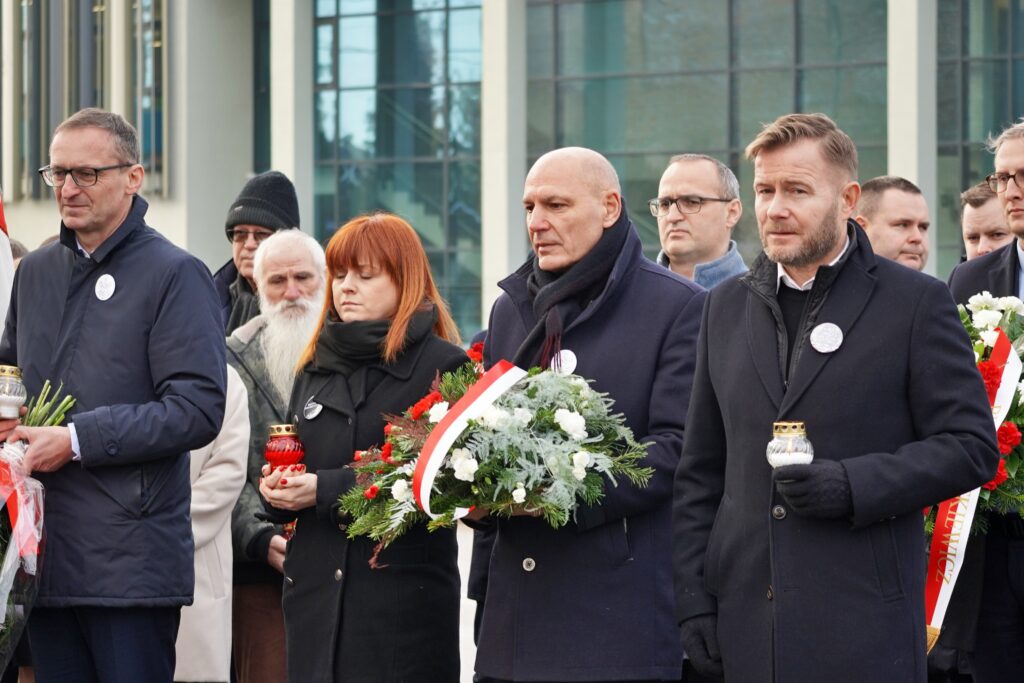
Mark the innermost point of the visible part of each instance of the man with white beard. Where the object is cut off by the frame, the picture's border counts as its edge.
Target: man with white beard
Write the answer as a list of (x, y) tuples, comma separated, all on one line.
[(289, 270)]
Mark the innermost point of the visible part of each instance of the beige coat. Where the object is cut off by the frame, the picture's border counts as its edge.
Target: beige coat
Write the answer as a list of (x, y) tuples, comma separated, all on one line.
[(218, 472)]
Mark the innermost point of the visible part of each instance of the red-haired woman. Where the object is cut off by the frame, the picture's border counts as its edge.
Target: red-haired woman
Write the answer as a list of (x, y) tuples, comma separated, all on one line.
[(383, 336)]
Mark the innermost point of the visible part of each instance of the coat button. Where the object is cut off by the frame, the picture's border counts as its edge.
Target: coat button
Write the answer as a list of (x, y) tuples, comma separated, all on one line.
[(779, 512), (290, 580), (529, 565), (337, 575), (770, 593)]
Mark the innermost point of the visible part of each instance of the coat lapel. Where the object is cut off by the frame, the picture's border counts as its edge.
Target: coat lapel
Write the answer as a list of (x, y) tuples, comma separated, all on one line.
[(763, 340), (333, 394), (1003, 280), (845, 302)]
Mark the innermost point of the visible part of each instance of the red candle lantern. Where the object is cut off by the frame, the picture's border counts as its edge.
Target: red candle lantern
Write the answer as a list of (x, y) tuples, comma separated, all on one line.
[(284, 449)]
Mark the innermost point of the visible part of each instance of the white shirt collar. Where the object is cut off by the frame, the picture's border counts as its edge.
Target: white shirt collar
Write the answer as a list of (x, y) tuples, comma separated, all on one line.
[(82, 250), (783, 277)]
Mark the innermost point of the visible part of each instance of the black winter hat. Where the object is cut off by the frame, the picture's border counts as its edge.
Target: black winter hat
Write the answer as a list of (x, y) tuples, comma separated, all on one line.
[(267, 200)]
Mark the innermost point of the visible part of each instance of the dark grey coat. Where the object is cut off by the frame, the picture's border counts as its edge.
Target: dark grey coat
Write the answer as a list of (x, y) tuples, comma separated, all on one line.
[(398, 623), (147, 368), (900, 403)]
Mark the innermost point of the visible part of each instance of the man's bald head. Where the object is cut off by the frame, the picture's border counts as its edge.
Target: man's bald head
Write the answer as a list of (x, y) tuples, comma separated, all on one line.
[(571, 196), (586, 164)]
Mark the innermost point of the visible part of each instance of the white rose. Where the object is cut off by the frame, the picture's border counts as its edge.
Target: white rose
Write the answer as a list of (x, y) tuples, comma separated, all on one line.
[(522, 416), (437, 411), (494, 418), (400, 490), (458, 455), (988, 337), (572, 423), (981, 302), (580, 459), (465, 469), (986, 319), (519, 494), (1010, 303)]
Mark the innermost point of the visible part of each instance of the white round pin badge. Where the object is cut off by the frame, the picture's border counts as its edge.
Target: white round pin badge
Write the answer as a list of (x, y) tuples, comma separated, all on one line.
[(105, 286), (311, 409), (566, 362), (826, 337)]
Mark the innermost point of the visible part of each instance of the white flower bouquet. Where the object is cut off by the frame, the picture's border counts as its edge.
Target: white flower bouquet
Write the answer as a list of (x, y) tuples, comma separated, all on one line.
[(545, 446)]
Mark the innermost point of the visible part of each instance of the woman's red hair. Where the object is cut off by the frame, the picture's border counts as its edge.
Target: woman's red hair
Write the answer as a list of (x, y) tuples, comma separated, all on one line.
[(385, 241)]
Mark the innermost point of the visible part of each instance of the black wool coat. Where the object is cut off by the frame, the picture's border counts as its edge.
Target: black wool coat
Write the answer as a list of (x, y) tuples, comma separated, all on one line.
[(899, 403), (997, 273), (344, 620)]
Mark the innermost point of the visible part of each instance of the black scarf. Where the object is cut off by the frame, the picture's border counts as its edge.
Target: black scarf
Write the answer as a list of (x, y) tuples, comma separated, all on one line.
[(344, 347), (245, 305), (560, 297)]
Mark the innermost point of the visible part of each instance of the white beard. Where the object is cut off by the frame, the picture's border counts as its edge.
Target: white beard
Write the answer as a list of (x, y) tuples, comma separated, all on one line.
[(290, 325)]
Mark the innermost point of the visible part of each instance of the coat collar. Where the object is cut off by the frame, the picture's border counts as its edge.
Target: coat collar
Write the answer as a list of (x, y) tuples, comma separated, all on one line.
[(625, 263), (132, 222), (847, 286), (712, 273)]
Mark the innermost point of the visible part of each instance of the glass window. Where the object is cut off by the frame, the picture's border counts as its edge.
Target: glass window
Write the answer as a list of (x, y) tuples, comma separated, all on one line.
[(641, 114), (871, 162), (392, 48), (261, 86), (635, 36), (987, 105), (987, 27), (854, 97), (540, 116), (949, 30), (326, 124), (540, 42), (839, 31), (403, 122), (762, 96), (326, 8), (948, 107), (464, 205), (764, 32), (949, 241), (640, 175), (464, 45), (411, 190), (150, 104), (464, 120), (324, 54)]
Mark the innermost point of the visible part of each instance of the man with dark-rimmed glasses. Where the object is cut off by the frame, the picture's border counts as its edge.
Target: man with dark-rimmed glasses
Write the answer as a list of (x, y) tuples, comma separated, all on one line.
[(986, 612), (697, 206), (128, 323)]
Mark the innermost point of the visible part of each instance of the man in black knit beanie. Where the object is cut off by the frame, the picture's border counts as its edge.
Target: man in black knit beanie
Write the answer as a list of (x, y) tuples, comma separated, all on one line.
[(266, 204)]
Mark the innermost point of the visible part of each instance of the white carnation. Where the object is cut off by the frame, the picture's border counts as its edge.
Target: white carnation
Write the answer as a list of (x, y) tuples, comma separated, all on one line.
[(494, 418), (581, 459), (989, 337), (519, 494), (572, 423), (465, 469), (981, 302), (458, 455), (1010, 303), (579, 472), (986, 319), (401, 490), (522, 416), (437, 411)]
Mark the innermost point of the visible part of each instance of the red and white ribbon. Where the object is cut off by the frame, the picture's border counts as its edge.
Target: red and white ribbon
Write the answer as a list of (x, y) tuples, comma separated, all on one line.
[(476, 400), (954, 518)]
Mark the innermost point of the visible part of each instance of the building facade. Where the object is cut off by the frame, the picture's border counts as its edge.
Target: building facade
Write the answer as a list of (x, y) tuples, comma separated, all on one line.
[(434, 109)]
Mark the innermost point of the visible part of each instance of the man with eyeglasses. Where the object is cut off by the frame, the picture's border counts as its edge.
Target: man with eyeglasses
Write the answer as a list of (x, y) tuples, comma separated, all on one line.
[(266, 204), (128, 323), (986, 612), (697, 207)]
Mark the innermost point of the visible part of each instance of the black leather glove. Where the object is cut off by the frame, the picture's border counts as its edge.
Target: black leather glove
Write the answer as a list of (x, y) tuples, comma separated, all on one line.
[(700, 641), (818, 489)]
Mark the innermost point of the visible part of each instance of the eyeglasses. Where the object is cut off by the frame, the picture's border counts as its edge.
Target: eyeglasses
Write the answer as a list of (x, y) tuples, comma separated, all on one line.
[(238, 236), (54, 176), (689, 203), (997, 181)]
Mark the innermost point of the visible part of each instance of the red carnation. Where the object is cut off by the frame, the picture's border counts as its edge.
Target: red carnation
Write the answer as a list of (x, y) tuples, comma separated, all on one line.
[(1008, 437), (357, 456), (387, 429), (385, 452), (992, 374), (1000, 477), (423, 405), (476, 352), (371, 492)]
